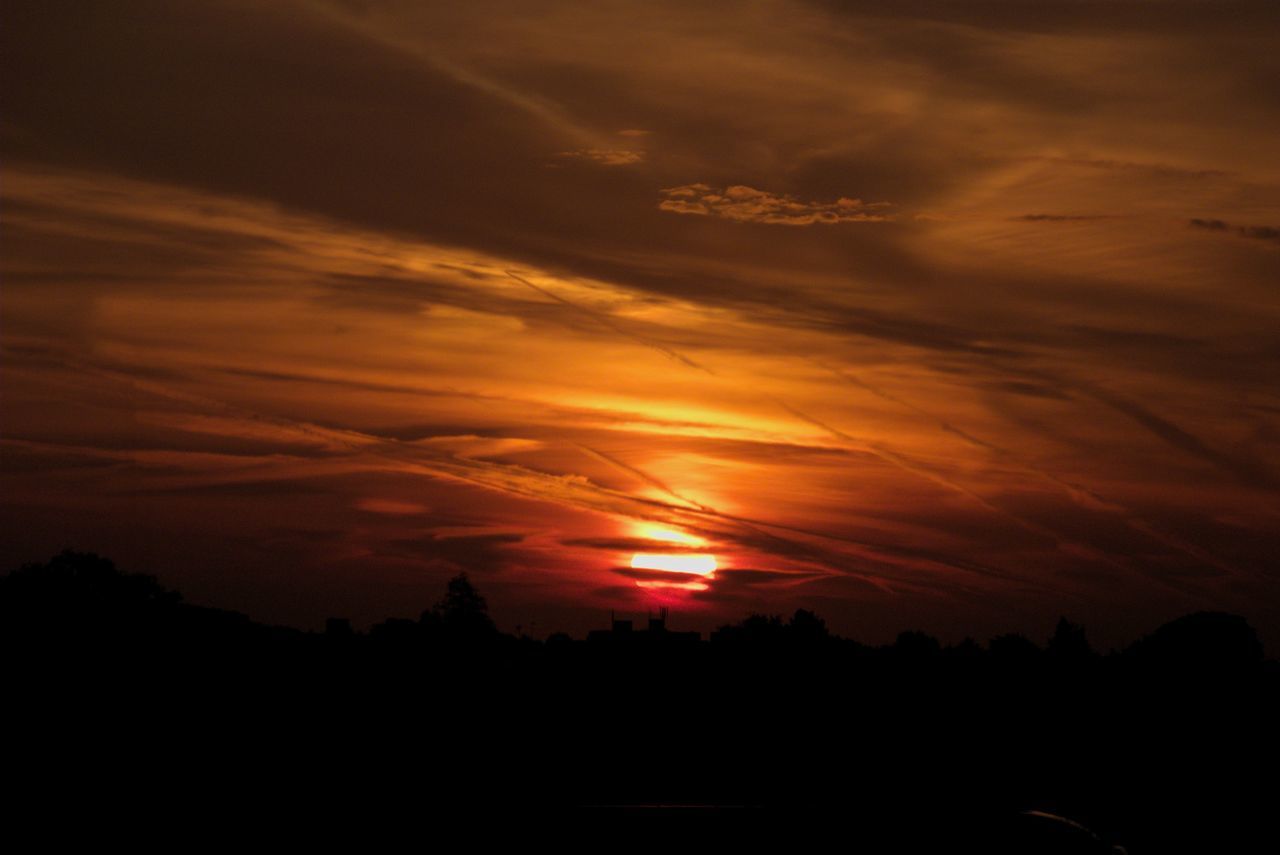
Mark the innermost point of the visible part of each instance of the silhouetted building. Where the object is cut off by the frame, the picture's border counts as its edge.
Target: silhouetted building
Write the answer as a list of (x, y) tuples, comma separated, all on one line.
[(623, 631)]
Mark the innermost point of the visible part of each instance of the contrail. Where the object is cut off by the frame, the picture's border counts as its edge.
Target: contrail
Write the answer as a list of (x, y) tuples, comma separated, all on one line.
[(761, 528), (543, 109), (907, 465), (890, 456), (639, 473), (605, 320), (1082, 496)]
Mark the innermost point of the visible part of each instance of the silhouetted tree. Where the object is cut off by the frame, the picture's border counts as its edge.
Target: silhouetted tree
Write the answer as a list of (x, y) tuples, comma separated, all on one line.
[(756, 628), (967, 649), (1013, 649), (756, 622), (463, 611), (430, 623), (1202, 640), (1068, 643), (805, 626), (396, 632), (81, 592), (337, 627), (913, 643)]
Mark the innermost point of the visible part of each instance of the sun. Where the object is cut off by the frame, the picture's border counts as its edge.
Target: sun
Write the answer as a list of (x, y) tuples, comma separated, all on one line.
[(698, 568), (698, 565)]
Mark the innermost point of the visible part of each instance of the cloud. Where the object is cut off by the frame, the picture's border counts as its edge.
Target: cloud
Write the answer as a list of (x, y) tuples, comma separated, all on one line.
[(464, 551), (632, 544), (664, 577), (743, 577), (393, 507), (481, 446), (1053, 218), (606, 156), (1247, 470), (609, 323), (748, 205), (1269, 233)]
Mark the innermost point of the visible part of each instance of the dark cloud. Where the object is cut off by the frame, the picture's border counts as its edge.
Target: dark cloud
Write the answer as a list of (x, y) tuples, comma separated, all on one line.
[(737, 577), (632, 544), (1035, 390), (1256, 232), (277, 489), (467, 552), (661, 576), (1083, 15), (1059, 218)]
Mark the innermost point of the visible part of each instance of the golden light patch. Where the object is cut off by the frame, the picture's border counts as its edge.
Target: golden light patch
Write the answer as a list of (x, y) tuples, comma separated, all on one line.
[(653, 532), (696, 585)]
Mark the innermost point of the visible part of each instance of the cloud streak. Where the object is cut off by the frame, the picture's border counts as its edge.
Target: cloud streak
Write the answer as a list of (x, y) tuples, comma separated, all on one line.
[(748, 205), (1267, 233)]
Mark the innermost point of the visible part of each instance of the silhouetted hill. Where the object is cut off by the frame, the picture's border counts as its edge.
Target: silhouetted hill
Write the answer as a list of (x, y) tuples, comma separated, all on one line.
[(912, 746)]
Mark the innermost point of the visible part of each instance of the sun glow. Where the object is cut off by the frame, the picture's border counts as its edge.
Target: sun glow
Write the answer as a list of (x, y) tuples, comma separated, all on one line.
[(696, 585), (668, 535)]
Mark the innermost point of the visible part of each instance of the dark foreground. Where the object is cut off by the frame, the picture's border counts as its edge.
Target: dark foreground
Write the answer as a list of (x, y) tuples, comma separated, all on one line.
[(130, 717)]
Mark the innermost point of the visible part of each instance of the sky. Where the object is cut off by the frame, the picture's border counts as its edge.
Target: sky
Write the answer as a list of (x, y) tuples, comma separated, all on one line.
[(949, 316)]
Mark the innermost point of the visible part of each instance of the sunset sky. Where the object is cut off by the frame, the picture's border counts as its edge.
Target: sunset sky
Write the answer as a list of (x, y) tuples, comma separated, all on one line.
[(920, 314)]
